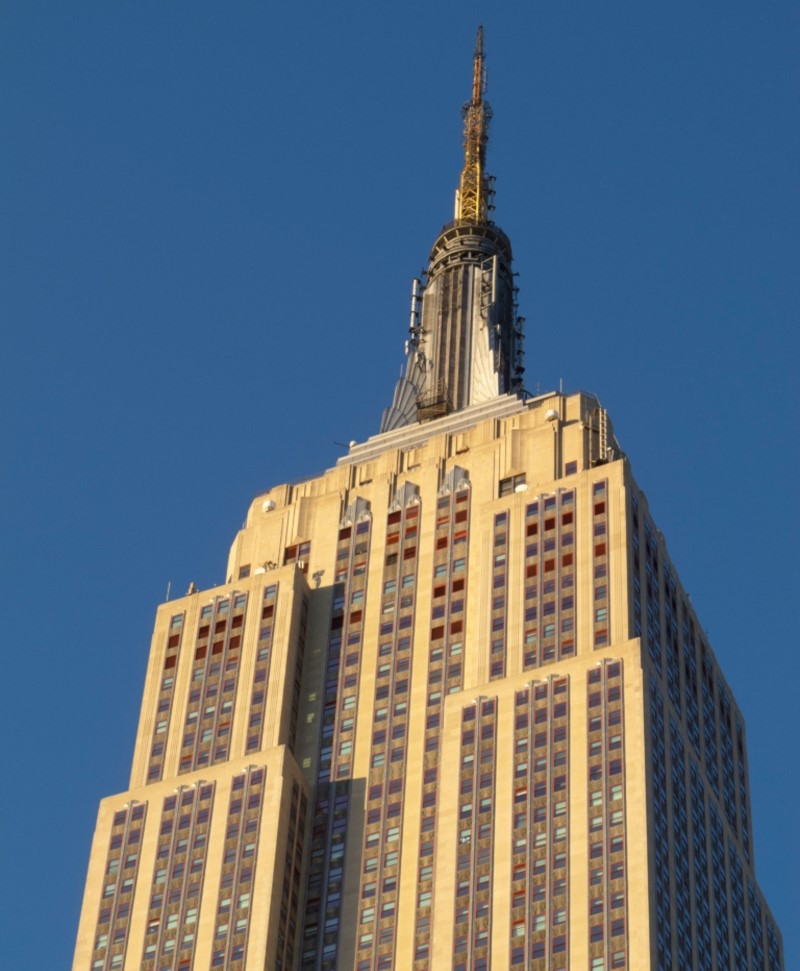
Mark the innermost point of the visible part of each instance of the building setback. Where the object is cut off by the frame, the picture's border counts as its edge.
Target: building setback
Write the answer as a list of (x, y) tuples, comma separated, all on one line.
[(453, 708)]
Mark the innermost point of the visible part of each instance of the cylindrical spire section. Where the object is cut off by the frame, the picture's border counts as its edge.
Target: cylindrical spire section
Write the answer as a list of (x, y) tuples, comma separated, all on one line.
[(468, 313)]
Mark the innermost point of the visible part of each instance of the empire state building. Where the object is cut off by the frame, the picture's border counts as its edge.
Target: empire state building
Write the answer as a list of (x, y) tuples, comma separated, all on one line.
[(452, 709)]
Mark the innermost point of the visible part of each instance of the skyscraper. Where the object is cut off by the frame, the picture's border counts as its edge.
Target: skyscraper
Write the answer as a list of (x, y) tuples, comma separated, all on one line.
[(452, 709)]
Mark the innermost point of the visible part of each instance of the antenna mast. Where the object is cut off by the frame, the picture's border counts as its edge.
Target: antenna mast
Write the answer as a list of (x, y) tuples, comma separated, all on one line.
[(472, 195)]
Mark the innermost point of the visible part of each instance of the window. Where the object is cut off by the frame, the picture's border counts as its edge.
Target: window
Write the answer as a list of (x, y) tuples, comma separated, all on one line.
[(511, 484)]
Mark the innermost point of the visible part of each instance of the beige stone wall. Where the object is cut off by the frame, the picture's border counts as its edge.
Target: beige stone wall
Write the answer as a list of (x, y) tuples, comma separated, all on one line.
[(293, 587), (282, 772), (547, 445), (538, 440)]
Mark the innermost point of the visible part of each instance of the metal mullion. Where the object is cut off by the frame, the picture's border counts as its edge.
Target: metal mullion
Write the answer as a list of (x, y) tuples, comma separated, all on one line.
[(163, 901), (606, 853), (525, 578), (622, 735), (262, 665), (390, 707), (439, 705), (506, 567), (201, 706), (223, 661), (171, 695), (566, 814), (528, 849), (237, 867), (186, 724), (343, 650), (331, 826), (495, 739), (566, 803), (390, 720), (297, 830), (548, 825), (466, 585), (384, 799), (333, 782), (451, 532), (557, 591), (381, 857), (506, 595), (170, 859), (189, 843), (340, 674), (326, 867), (473, 841), (540, 583), (120, 871)]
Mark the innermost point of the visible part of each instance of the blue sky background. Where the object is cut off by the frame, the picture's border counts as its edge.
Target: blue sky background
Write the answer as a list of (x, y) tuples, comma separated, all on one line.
[(211, 214)]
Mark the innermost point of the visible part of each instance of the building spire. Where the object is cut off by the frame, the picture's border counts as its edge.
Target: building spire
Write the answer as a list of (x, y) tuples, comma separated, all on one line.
[(465, 338), (472, 195)]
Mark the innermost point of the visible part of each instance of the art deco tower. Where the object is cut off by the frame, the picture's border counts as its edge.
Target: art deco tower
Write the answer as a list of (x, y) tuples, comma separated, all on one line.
[(465, 343), (452, 708)]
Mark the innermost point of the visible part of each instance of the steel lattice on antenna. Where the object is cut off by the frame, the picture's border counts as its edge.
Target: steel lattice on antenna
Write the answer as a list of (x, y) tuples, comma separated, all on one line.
[(472, 196)]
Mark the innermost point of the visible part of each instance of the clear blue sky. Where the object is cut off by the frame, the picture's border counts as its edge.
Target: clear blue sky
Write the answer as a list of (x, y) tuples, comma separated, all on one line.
[(211, 213)]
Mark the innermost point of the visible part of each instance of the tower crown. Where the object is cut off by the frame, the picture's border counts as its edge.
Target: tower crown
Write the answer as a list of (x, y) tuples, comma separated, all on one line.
[(465, 343)]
